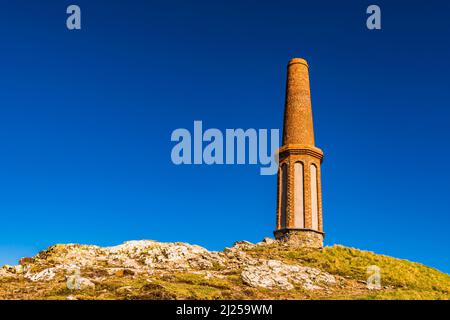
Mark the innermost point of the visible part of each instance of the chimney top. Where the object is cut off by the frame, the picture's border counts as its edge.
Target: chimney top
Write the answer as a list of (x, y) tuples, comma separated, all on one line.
[(298, 61)]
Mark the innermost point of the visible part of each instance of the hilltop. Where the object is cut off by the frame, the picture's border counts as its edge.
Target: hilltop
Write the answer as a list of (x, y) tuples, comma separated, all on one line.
[(268, 270)]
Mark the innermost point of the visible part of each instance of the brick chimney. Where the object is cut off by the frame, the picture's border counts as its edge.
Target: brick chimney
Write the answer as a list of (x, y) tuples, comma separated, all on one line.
[(299, 198)]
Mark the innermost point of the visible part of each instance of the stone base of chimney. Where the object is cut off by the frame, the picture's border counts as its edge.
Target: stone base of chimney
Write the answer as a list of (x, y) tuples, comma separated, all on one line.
[(305, 238)]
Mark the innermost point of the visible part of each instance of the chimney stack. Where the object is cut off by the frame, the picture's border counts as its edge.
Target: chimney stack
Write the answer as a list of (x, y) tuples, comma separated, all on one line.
[(299, 198), (298, 123)]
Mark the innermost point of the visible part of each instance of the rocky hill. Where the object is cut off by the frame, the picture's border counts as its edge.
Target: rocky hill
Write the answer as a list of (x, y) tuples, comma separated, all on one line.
[(267, 270)]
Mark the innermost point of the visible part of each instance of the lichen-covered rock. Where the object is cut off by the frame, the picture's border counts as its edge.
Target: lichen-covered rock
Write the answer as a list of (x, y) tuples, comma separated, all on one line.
[(181, 256), (7, 272), (44, 275), (267, 241), (137, 256), (76, 282), (276, 274)]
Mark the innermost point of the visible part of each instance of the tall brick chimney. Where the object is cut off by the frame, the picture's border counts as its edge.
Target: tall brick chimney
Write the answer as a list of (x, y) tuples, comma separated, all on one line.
[(299, 198)]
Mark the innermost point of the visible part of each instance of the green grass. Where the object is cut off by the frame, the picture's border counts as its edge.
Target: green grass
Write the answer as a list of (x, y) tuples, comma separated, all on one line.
[(195, 286), (411, 280)]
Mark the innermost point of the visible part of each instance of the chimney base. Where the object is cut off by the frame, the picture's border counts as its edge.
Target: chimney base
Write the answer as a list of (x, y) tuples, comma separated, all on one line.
[(305, 238)]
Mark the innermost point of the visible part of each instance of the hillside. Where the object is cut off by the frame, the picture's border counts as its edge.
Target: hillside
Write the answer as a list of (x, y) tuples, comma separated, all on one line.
[(267, 270)]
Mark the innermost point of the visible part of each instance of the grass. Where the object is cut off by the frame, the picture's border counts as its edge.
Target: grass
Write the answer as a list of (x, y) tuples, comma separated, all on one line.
[(411, 280)]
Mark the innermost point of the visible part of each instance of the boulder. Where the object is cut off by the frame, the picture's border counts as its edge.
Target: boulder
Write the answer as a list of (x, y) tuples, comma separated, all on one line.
[(44, 275), (76, 282), (274, 274)]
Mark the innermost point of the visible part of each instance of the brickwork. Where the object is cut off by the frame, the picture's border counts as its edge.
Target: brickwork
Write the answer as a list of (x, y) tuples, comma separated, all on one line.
[(298, 146)]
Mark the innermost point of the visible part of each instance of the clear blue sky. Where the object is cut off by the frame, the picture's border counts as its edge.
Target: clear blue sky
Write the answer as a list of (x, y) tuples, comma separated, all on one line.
[(86, 119)]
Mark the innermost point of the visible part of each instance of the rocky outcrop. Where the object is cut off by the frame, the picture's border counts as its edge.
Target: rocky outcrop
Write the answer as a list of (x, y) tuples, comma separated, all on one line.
[(276, 274), (270, 269), (143, 256), (84, 267)]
